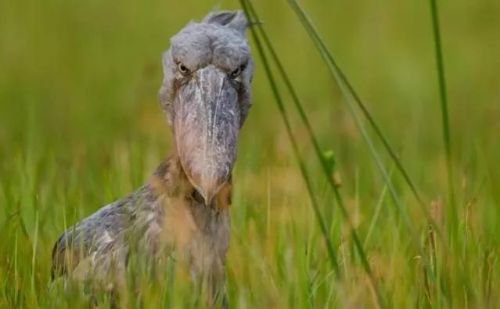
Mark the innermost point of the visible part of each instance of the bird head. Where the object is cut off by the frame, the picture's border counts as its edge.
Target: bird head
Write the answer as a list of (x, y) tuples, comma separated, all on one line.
[(206, 96)]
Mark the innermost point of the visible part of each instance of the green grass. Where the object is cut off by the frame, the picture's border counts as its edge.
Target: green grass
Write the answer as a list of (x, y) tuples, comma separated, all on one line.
[(443, 96), (80, 126)]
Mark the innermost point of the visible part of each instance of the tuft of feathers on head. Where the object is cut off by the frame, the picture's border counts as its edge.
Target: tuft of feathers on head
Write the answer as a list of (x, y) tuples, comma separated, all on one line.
[(231, 19)]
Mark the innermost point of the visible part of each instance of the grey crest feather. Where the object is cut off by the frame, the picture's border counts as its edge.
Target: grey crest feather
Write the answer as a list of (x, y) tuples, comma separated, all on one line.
[(232, 19)]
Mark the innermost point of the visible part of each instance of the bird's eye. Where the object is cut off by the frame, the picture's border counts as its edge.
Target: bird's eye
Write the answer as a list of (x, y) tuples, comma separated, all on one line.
[(183, 69), (236, 72)]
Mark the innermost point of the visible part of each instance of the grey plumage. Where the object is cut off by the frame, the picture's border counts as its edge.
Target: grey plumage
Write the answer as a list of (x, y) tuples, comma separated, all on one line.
[(183, 207)]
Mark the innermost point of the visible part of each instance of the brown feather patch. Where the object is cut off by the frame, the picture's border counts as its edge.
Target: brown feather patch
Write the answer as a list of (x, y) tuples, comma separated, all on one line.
[(223, 200)]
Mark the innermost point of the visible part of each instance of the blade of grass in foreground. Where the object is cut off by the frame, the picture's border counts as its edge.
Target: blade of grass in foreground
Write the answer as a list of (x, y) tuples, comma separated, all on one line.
[(452, 211), (381, 301), (360, 126), (350, 93), (444, 108), (303, 170)]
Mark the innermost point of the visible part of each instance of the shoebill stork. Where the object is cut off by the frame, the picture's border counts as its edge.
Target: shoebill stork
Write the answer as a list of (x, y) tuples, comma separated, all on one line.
[(182, 209)]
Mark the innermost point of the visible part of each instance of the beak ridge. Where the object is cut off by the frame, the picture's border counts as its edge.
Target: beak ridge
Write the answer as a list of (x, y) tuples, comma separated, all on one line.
[(206, 128)]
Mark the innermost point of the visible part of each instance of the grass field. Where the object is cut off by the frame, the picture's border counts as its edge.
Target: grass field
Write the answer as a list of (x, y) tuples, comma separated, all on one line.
[(80, 126)]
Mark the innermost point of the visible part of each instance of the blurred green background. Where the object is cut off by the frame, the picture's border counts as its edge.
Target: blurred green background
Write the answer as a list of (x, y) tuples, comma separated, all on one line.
[(80, 126)]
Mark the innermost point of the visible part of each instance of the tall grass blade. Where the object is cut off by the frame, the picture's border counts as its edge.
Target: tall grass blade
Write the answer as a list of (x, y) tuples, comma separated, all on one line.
[(359, 124), (303, 170), (251, 13), (350, 94), (33, 259), (376, 215), (444, 107)]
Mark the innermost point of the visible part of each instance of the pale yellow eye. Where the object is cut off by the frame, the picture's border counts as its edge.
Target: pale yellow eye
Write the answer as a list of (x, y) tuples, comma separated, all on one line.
[(182, 68)]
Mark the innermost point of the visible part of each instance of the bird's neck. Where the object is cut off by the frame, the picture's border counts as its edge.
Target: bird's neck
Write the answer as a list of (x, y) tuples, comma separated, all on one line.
[(186, 222)]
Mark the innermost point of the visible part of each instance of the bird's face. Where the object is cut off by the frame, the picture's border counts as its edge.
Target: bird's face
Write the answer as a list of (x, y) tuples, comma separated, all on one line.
[(206, 94)]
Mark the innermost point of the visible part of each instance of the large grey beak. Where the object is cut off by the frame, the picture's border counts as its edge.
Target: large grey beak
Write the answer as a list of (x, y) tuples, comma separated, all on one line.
[(206, 126)]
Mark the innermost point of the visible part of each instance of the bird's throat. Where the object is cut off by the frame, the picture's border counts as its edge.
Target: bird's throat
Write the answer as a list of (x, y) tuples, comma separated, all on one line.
[(170, 181)]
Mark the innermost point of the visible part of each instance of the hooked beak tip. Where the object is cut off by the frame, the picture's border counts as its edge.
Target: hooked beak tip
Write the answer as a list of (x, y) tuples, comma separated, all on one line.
[(207, 198), (203, 196)]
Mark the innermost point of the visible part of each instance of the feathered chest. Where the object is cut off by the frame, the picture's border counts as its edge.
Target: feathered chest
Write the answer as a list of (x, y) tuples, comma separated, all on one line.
[(179, 222)]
